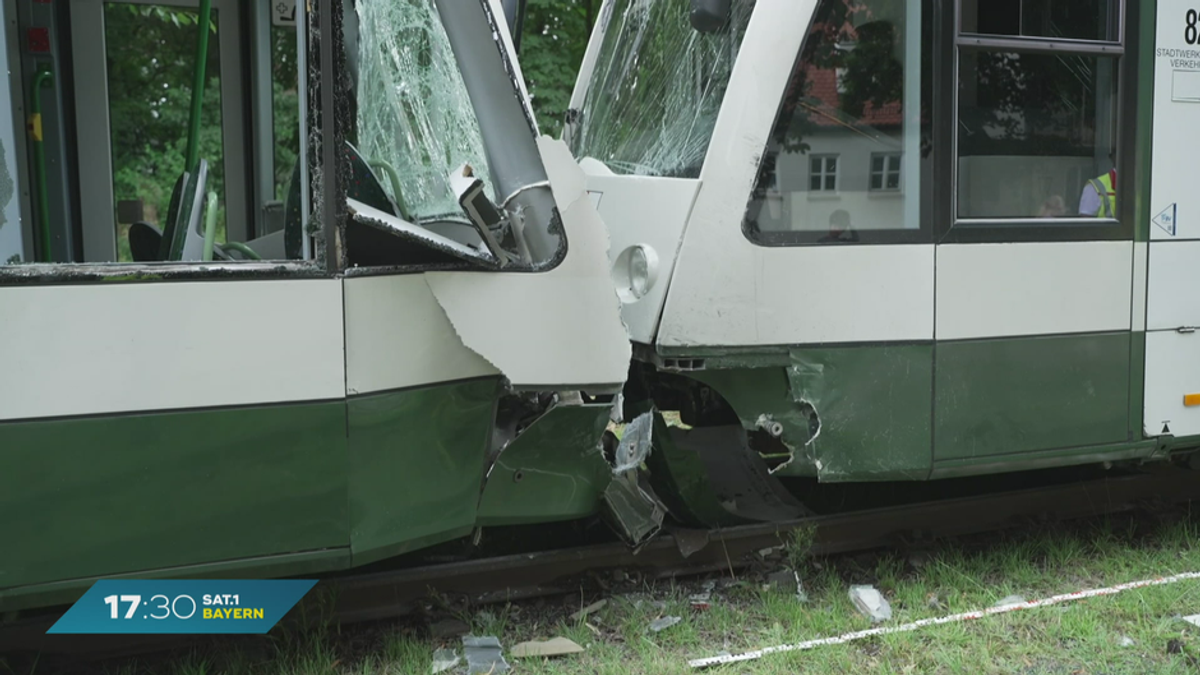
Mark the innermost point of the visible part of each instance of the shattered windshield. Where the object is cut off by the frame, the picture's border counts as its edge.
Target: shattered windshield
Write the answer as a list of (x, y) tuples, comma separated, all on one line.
[(415, 122), (657, 87)]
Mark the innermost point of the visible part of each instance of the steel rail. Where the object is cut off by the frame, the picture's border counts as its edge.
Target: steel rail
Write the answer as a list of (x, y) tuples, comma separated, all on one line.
[(389, 594)]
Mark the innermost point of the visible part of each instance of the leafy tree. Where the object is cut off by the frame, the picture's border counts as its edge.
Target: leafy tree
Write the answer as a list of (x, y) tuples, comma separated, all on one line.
[(151, 56), (553, 43)]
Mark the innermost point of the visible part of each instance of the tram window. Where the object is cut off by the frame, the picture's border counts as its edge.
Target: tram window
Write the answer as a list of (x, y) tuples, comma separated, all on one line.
[(1034, 130), (110, 179), (151, 50), (657, 87), (858, 92), (1071, 19)]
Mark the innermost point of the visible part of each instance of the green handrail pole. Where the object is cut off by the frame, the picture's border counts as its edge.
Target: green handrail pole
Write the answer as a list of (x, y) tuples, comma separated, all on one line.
[(193, 144), (41, 79), (210, 227), (394, 178)]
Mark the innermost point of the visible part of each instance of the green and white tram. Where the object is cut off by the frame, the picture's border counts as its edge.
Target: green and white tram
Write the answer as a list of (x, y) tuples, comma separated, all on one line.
[(289, 287), (905, 239)]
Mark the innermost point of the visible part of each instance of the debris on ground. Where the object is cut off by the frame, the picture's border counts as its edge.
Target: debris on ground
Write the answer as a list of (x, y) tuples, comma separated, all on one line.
[(1010, 601), (594, 607), (703, 600), (484, 655), (1125, 641), (664, 622), (1194, 619), (871, 603), (444, 659), (554, 647), (448, 628)]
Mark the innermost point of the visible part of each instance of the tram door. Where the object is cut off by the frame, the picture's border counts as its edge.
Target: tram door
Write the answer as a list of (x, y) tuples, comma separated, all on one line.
[(110, 84), (122, 51), (1172, 317)]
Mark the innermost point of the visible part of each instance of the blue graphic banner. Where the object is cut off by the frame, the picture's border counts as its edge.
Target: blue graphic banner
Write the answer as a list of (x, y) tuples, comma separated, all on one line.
[(174, 606)]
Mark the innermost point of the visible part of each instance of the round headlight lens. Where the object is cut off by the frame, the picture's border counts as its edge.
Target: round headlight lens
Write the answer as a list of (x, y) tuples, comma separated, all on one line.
[(639, 272)]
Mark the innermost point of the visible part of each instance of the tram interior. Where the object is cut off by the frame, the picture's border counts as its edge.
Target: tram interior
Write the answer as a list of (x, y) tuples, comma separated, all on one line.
[(121, 163), (101, 169), (851, 147)]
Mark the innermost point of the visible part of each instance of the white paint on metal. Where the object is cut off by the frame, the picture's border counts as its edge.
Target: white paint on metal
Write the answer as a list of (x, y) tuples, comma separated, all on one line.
[(941, 620), (1141, 261), (97, 349), (397, 336), (1173, 300), (728, 291), (283, 12), (1175, 145), (652, 212), (1172, 371), (994, 290), (560, 328)]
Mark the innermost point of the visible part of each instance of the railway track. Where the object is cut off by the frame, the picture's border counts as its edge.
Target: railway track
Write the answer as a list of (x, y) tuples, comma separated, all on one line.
[(388, 594)]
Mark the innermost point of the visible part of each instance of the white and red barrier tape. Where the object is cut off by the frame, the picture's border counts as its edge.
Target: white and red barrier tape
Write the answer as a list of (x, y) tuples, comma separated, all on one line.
[(953, 618)]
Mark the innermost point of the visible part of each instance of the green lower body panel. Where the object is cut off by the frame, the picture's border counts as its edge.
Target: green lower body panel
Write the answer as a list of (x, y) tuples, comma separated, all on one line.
[(874, 409), (416, 465), (872, 405), (553, 471), (100, 496), (1021, 395), (911, 412)]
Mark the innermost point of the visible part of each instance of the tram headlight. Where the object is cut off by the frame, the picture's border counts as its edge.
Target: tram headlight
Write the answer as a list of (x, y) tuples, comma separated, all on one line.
[(639, 272), (634, 272)]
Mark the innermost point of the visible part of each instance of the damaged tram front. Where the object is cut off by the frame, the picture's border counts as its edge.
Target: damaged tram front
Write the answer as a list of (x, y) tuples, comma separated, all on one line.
[(287, 288), (896, 240)]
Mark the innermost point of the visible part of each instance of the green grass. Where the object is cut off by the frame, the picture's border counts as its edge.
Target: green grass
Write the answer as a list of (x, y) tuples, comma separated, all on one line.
[(1080, 637)]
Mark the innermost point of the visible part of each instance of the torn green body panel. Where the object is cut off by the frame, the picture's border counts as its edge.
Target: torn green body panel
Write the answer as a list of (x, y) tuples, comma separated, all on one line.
[(90, 497), (873, 405), (1016, 395), (416, 465), (555, 470), (755, 392), (681, 481)]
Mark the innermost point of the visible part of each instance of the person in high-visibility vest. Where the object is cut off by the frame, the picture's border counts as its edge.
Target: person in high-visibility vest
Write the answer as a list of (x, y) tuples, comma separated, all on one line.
[(1099, 196)]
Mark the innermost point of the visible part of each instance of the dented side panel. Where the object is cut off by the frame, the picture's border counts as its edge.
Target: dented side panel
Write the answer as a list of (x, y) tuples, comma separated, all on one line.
[(559, 329), (846, 414), (417, 459), (553, 471), (873, 406)]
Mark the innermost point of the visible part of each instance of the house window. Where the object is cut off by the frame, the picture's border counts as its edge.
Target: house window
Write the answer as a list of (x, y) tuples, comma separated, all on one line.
[(823, 171), (885, 172)]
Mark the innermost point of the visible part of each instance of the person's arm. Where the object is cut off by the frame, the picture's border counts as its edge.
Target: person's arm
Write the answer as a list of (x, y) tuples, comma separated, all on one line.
[(1089, 201)]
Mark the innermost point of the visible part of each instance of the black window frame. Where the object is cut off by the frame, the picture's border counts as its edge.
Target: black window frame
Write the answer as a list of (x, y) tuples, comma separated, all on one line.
[(938, 180), (1123, 47), (932, 34)]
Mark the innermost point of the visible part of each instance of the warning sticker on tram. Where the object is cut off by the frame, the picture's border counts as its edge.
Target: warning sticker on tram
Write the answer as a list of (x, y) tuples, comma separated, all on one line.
[(1166, 219), (173, 606)]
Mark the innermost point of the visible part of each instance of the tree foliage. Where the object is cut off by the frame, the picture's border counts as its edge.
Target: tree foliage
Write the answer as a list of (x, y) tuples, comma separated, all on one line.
[(553, 44), (151, 58)]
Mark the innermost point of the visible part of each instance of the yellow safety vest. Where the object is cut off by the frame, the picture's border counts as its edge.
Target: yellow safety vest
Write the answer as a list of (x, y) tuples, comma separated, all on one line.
[(1108, 195)]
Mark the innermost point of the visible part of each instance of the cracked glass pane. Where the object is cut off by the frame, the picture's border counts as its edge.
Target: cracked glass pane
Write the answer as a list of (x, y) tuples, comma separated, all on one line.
[(657, 88), (414, 116)]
